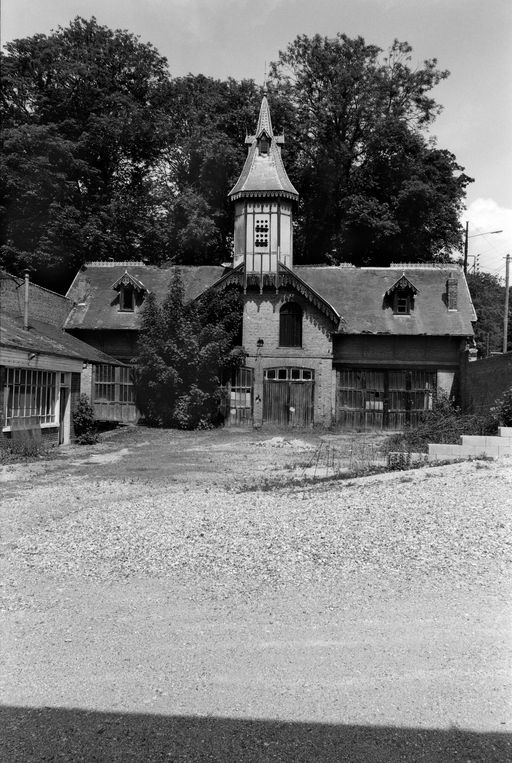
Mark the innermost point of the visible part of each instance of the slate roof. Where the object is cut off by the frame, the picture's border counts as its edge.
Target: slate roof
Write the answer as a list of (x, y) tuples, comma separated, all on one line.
[(47, 339), (358, 295), (96, 300), (263, 174)]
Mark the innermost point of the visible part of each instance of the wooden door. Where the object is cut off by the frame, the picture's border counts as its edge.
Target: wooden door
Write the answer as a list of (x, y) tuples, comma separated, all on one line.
[(288, 395)]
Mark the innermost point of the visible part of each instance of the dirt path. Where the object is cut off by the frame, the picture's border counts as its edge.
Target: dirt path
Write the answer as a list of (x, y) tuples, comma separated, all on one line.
[(150, 612)]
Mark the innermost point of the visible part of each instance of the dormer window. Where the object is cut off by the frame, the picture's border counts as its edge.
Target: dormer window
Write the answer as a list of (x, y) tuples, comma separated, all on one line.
[(131, 292), (402, 303), (127, 299), (400, 296)]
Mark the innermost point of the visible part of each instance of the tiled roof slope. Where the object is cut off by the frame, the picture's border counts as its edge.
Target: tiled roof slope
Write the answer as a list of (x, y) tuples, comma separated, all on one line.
[(358, 296), (263, 174), (48, 339), (44, 305), (96, 305)]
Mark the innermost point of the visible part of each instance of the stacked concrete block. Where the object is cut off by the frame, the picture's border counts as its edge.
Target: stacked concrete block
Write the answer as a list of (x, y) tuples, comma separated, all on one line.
[(473, 446)]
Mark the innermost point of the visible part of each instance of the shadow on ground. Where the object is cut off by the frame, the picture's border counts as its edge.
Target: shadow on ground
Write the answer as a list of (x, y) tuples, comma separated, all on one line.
[(54, 734)]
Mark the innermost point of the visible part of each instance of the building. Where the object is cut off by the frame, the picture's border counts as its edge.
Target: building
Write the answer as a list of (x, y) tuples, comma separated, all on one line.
[(358, 347), (43, 370)]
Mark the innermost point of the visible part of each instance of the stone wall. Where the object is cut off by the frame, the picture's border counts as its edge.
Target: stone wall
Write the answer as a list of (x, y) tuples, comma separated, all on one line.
[(483, 381)]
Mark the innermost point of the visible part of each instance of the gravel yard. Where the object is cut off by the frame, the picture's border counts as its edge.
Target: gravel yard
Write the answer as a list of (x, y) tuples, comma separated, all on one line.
[(155, 608)]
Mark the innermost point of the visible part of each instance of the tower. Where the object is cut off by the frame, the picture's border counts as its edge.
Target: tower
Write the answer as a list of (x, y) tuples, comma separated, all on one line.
[(263, 196)]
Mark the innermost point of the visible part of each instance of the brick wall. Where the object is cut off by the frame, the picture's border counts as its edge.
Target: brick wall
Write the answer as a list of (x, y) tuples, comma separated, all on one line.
[(44, 305), (483, 381), (75, 397), (261, 321)]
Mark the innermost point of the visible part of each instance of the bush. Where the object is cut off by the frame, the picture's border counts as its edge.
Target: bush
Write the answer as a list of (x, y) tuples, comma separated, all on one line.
[(12, 451), (502, 409), (84, 423), (445, 423)]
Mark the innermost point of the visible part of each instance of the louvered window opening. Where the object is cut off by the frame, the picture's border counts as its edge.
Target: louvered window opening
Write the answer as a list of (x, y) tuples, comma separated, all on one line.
[(30, 394), (290, 325)]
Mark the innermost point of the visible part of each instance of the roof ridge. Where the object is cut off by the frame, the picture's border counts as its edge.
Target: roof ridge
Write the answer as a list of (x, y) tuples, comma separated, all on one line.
[(114, 264)]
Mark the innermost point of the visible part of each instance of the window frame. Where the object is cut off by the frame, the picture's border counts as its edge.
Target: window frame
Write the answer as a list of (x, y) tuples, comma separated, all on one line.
[(291, 318), (37, 387), (124, 306), (402, 297)]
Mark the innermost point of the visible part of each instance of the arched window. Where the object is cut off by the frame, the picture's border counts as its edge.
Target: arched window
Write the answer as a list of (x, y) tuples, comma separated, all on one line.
[(290, 325)]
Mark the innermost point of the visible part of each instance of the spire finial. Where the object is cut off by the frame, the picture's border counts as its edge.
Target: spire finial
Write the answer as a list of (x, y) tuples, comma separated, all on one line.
[(265, 89)]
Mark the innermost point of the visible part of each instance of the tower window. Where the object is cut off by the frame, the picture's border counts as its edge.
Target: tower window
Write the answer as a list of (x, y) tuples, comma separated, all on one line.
[(290, 325)]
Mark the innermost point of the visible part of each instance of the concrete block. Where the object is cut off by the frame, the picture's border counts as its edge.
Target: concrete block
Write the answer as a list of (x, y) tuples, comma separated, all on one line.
[(477, 440), (504, 431)]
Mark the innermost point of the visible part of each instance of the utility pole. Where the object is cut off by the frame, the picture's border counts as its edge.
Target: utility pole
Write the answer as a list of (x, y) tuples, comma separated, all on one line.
[(466, 242), (505, 317), (466, 238)]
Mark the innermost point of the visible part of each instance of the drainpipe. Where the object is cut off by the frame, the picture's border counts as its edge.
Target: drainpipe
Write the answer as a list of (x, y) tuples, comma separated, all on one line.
[(25, 315)]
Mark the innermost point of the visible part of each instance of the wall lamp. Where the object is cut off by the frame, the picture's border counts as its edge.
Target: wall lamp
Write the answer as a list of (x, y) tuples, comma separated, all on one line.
[(260, 343), (32, 355)]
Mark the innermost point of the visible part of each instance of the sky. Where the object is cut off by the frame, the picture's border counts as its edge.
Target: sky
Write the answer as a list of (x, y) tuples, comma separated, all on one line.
[(237, 38)]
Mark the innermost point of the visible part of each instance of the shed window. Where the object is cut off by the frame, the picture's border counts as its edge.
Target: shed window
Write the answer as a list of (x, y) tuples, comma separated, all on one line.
[(290, 325), (30, 394)]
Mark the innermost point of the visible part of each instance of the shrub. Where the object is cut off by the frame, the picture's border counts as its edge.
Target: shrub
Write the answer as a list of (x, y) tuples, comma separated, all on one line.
[(445, 423), (12, 451), (84, 423), (502, 409)]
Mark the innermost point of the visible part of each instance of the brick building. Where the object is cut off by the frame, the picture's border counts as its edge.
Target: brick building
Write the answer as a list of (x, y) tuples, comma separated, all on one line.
[(359, 347)]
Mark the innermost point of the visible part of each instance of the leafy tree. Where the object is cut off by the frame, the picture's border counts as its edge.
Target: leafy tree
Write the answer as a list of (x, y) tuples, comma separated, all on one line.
[(373, 188), (83, 125), (185, 351), (488, 296)]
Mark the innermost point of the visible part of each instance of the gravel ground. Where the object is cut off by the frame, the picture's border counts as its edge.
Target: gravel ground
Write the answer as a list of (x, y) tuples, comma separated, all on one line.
[(363, 548)]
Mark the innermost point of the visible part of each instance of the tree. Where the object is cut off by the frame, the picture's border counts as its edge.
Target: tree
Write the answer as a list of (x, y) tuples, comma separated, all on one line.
[(488, 296), (185, 352), (83, 125), (373, 187)]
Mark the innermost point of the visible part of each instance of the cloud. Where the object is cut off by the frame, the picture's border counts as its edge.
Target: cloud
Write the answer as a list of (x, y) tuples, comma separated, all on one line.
[(485, 215)]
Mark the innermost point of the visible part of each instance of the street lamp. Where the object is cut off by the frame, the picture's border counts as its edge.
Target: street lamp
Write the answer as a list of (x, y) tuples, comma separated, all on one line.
[(466, 239)]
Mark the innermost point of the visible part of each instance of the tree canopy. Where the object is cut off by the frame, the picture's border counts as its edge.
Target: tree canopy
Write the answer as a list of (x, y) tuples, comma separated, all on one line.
[(107, 156), (488, 295), (374, 188)]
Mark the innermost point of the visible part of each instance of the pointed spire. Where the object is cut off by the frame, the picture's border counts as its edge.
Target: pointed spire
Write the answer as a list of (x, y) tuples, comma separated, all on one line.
[(264, 121), (263, 172)]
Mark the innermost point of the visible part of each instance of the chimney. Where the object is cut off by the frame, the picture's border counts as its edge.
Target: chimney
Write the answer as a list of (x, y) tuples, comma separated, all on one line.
[(451, 293), (25, 314)]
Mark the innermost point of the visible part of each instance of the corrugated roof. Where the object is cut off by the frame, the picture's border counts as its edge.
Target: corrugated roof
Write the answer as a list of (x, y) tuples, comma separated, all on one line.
[(47, 339), (358, 295), (263, 174), (96, 301)]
